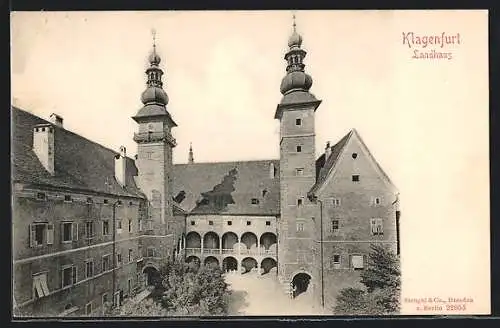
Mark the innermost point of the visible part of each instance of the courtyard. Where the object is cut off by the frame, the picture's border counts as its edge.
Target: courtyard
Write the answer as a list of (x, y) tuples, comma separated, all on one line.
[(261, 295)]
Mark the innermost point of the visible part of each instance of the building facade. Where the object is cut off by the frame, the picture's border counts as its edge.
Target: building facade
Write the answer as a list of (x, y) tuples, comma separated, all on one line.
[(92, 226)]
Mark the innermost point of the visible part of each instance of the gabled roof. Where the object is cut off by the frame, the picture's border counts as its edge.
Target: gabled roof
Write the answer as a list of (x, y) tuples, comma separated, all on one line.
[(79, 163), (233, 183), (324, 170)]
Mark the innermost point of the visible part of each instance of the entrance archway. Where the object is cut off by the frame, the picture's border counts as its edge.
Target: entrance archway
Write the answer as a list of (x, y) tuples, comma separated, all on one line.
[(211, 262), (229, 239), (211, 240), (249, 239), (300, 282), (248, 263), (229, 264), (267, 264), (153, 277), (193, 240), (193, 261)]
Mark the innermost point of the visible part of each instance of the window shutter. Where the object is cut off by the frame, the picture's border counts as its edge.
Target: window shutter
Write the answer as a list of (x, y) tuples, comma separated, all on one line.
[(61, 232), (32, 235), (74, 280), (45, 288), (50, 234)]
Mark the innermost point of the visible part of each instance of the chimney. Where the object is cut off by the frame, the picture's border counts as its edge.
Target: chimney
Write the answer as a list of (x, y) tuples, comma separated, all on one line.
[(328, 150), (120, 166), (271, 171), (43, 145), (56, 120)]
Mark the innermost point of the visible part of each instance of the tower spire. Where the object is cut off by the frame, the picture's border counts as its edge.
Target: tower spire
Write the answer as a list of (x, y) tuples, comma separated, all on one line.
[(191, 157)]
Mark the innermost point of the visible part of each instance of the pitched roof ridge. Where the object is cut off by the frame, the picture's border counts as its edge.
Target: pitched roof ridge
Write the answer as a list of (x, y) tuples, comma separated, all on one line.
[(70, 132), (230, 162)]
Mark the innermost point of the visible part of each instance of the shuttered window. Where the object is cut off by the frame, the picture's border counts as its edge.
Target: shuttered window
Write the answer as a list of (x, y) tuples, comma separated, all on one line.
[(40, 285)]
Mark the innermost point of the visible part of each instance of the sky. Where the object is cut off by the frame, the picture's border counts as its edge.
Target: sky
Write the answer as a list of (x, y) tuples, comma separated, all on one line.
[(424, 120)]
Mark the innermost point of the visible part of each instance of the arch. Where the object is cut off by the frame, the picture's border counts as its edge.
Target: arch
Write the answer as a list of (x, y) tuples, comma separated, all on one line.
[(248, 263), (300, 283), (267, 240), (211, 261), (249, 239), (229, 239), (267, 264), (193, 261), (153, 277), (193, 240), (211, 240), (229, 264)]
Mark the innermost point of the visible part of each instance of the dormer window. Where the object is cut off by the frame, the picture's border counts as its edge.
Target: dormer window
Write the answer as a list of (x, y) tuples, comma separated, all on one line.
[(255, 201)]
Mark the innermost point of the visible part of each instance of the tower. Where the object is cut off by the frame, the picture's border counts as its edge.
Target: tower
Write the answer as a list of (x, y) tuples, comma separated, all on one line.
[(154, 156), (190, 156), (297, 170)]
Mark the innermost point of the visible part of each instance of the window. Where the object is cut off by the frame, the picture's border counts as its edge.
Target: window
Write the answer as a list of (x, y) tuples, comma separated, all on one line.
[(140, 225), (104, 298), (300, 226), (268, 223), (41, 196), (130, 255), (336, 261), (355, 177), (357, 262), (354, 155), (129, 225), (118, 259), (298, 121), (335, 226), (249, 223), (68, 275), (335, 202), (105, 228), (150, 225), (377, 227), (151, 251), (376, 201), (67, 198), (89, 229), (229, 222), (106, 202), (40, 287), (193, 223), (118, 226), (41, 233), (299, 149), (299, 172), (210, 222), (106, 263), (88, 308), (89, 268), (255, 201), (89, 200), (299, 202), (66, 231), (130, 203)]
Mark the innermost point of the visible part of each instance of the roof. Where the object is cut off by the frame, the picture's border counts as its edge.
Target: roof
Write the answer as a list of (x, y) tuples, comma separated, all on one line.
[(323, 170), (229, 187), (296, 99), (79, 163), (153, 110)]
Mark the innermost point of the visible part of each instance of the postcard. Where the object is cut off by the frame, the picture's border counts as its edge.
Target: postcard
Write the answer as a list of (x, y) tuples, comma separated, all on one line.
[(250, 163)]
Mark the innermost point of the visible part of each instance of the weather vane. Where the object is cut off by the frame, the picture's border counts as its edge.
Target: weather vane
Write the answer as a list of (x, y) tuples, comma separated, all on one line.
[(294, 24)]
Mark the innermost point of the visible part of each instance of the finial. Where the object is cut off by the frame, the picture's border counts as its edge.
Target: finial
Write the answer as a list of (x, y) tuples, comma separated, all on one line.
[(294, 23), (153, 32), (190, 146)]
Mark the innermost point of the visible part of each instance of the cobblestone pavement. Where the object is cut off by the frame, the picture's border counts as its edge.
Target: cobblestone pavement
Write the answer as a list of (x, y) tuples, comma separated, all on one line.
[(254, 294)]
